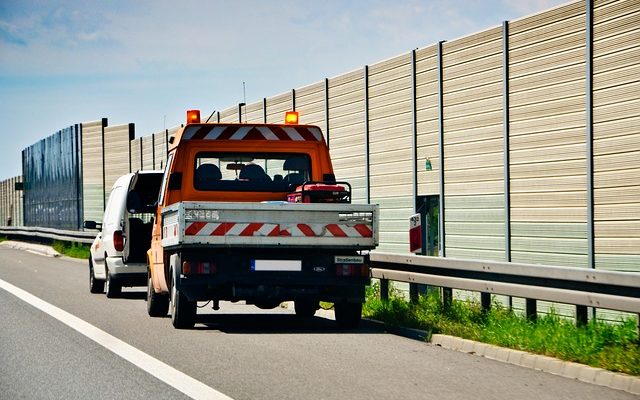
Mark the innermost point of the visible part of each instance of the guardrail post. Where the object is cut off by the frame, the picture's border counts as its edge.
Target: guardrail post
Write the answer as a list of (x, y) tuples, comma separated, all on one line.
[(413, 293), (384, 289), (485, 301), (447, 297), (582, 317), (531, 309)]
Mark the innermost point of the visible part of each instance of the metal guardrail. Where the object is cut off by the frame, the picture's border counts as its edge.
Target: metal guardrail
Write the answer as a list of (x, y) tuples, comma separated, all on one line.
[(619, 291), (612, 290), (47, 234)]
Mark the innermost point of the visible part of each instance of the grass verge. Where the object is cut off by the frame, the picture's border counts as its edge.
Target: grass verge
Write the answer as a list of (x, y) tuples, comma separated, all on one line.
[(72, 249), (3, 239), (611, 346)]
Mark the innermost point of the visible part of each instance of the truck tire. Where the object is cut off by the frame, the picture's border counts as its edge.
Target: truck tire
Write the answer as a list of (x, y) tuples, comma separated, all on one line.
[(112, 287), (348, 315), (305, 308), (157, 304), (95, 285), (183, 311)]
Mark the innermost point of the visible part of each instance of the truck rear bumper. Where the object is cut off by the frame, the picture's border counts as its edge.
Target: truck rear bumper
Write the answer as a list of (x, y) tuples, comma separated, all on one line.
[(274, 275), (202, 290)]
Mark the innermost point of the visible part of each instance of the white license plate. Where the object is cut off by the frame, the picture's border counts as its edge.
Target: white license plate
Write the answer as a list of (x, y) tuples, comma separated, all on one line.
[(276, 265)]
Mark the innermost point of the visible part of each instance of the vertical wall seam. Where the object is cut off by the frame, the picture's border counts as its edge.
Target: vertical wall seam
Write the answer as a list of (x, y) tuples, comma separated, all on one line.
[(104, 178), (589, 134), (366, 134), (141, 154), (326, 110), (80, 186), (153, 151), (293, 99), (264, 109), (166, 143), (506, 133), (441, 150), (414, 130)]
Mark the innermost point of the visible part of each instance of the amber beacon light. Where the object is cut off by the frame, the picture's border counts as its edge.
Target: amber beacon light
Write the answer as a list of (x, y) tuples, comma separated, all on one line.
[(291, 117), (193, 116)]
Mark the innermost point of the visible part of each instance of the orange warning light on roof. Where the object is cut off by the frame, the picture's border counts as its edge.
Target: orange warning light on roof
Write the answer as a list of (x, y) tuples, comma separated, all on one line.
[(193, 116), (291, 118)]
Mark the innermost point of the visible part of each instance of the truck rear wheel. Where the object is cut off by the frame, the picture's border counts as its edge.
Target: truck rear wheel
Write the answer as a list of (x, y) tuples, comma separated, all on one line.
[(157, 304), (348, 315), (183, 311)]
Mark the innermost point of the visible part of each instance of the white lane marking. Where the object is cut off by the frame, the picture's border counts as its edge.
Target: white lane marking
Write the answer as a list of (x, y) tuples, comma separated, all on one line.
[(166, 373)]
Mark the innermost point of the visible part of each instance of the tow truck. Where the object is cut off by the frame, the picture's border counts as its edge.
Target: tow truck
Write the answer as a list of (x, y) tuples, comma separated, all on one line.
[(253, 212)]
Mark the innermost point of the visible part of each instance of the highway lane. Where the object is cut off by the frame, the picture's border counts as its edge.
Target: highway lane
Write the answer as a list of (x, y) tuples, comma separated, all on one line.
[(243, 352)]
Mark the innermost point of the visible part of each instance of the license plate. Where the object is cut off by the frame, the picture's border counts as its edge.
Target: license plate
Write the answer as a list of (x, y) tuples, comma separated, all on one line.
[(276, 265)]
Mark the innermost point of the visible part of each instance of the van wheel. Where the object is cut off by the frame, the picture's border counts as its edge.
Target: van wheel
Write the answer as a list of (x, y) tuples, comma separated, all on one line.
[(183, 311), (305, 309), (95, 285), (348, 315), (112, 287), (157, 304)]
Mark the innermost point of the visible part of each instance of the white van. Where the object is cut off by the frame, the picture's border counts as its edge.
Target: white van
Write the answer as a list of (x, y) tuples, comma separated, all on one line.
[(119, 252)]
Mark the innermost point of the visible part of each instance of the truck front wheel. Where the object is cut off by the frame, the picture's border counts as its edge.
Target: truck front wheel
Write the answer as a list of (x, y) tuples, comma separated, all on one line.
[(183, 311), (348, 315), (157, 304)]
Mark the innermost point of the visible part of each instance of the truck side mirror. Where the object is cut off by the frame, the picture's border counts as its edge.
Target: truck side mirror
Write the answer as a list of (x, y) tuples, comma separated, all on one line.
[(175, 181)]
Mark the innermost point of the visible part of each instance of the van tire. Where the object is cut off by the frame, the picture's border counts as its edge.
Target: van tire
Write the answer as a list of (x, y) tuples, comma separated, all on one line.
[(348, 315), (113, 288), (183, 311), (95, 285), (157, 304)]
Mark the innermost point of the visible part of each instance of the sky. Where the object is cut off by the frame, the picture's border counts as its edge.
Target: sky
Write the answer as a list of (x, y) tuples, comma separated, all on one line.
[(148, 61)]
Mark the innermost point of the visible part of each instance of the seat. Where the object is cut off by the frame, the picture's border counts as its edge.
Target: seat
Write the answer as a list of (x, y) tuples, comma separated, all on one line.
[(205, 174), (298, 167), (254, 172)]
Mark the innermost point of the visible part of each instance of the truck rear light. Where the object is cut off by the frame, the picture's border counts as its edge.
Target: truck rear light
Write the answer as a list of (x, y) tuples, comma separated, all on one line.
[(118, 241), (198, 268), (357, 270)]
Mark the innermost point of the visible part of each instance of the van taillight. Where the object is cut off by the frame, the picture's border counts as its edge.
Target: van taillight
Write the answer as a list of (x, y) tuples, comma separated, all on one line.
[(118, 240), (198, 268)]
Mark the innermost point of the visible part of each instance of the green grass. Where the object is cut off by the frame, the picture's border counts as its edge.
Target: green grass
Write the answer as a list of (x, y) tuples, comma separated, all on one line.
[(3, 239), (612, 346), (72, 249)]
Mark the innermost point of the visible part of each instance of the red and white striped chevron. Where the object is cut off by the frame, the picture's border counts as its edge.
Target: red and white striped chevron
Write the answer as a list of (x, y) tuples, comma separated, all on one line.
[(252, 132), (271, 230)]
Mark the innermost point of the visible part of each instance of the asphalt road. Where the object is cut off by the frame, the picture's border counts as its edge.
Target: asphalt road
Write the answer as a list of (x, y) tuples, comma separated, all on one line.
[(241, 351)]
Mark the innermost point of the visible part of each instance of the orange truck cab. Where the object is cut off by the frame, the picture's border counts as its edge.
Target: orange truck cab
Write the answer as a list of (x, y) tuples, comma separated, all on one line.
[(253, 212)]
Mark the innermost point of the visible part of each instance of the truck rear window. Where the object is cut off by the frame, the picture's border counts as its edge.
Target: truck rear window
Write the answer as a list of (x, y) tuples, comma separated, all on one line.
[(250, 172)]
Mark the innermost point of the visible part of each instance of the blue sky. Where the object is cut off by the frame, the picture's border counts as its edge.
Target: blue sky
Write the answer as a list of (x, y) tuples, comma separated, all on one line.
[(147, 61)]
